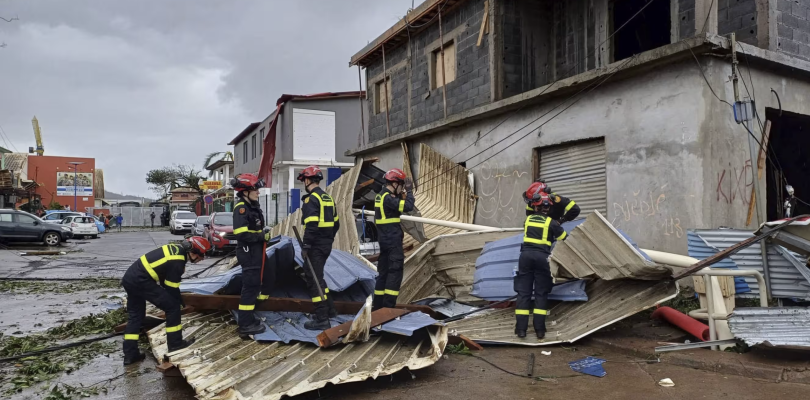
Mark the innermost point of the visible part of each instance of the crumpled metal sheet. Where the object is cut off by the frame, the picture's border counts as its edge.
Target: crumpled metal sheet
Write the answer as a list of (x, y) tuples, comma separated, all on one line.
[(701, 249), (609, 302), (220, 365), (779, 326), (407, 324)]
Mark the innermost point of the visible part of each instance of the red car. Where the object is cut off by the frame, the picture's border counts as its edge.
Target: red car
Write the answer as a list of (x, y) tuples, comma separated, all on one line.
[(220, 224)]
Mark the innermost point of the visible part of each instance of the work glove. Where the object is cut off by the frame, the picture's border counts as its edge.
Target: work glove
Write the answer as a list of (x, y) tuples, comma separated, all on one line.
[(267, 233), (408, 184)]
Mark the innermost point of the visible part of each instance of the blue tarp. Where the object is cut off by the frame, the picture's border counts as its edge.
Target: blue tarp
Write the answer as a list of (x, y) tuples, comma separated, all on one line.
[(698, 248), (494, 269), (590, 366)]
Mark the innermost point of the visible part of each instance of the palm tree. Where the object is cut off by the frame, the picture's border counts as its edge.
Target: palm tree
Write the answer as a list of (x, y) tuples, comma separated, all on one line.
[(209, 159)]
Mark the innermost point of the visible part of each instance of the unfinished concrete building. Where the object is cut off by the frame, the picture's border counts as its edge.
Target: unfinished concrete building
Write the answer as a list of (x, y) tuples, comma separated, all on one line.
[(622, 105)]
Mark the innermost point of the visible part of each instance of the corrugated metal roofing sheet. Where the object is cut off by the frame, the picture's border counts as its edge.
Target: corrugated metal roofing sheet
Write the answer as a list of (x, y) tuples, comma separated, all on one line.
[(443, 192), (779, 326), (407, 324), (786, 280), (15, 162), (220, 365), (342, 190), (698, 248), (609, 302)]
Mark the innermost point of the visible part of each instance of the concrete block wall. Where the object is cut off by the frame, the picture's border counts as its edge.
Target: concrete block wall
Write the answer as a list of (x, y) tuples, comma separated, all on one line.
[(793, 27), (526, 45), (686, 18), (570, 52), (410, 66), (740, 17)]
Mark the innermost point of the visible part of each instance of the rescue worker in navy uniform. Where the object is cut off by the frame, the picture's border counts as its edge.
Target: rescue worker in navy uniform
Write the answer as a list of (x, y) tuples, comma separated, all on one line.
[(155, 277), (395, 199), (563, 208), (248, 227), (321, 223), (534, 275)]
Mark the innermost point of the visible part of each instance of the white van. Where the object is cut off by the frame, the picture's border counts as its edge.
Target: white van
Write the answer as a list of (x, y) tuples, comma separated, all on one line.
[(181, 221)]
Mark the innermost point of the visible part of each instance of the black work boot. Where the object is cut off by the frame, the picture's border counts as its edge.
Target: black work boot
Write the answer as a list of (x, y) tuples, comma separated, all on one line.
[(253, 329), (128, 360), (521, 334), (180, 346), (317, 324), (540, 334), (331, 304)]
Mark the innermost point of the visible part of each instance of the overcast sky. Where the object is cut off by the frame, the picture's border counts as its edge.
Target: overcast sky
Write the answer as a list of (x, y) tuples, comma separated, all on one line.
[(142, 84)]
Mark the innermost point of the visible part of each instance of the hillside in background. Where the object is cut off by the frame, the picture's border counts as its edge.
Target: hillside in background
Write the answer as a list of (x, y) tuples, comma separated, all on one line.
[(117, 196)]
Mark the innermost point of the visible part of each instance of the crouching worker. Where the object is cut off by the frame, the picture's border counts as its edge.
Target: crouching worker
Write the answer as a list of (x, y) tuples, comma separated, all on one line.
[(155, 277), (534, 275)]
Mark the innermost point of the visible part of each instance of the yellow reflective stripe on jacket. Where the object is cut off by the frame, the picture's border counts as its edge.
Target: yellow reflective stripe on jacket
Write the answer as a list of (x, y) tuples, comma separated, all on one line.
[(326, 290), (176, 328), (319, 299), (542, 225), (570, 205), (378, 204), (392, 292), (521, 312), (379, 292), (402, 206), (244, 307), (241, 203), (562, 236), (311, 219), (149, 269), (529, 208), (131, 336), (325, 201), (263, 297), (172, 284), (243, 230), (540, 312)]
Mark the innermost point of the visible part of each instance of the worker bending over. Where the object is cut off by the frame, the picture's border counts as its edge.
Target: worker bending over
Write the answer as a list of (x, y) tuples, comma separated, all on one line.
[(539, 232), (563, 209), (320, 219), (155, 277), (248, 227), (395, 198)]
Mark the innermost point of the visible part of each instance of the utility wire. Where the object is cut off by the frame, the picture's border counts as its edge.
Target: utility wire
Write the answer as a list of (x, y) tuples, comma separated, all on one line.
[(549, 86)]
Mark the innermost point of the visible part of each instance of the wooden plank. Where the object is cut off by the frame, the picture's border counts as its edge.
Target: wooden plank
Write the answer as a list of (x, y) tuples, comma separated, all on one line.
[(483, 23), (763, 153), (472, 345), (231, 302), (364, 184), (332, 336)]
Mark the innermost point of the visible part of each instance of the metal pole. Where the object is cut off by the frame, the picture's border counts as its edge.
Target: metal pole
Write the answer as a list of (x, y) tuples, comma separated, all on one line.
[(362, 112), (766, 272), (308, 263), (75, 199)]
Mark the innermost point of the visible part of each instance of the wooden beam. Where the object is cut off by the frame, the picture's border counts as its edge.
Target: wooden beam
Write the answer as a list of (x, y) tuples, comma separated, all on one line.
[(483, 23), (364, 184), (332, 336), (472, 345), (763, 153), (231, 302)]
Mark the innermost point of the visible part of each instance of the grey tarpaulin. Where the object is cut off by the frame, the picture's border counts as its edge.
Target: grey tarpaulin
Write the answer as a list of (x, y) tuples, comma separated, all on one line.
[(407, 324)]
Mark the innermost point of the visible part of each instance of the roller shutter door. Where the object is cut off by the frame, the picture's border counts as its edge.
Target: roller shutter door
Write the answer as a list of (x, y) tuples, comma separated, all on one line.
[(577, 171)]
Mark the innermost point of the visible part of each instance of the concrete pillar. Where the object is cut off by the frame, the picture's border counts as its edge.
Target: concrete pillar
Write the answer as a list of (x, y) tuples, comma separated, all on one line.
[(767, 36), (705, 15)]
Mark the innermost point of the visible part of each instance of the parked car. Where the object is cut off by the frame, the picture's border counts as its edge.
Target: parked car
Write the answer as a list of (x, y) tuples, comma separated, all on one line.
[(83, 226), (198, 228), (181, 221), (56, 216), (20, 226), (220, 224)]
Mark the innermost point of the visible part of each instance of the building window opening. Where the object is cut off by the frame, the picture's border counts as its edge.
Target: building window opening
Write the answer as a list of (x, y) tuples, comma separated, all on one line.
[(788, 141), (449, 64), (380, 93), (648, 30)]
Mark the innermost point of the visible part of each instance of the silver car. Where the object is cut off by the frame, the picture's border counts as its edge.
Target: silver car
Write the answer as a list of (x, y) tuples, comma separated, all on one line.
[(198, 228)]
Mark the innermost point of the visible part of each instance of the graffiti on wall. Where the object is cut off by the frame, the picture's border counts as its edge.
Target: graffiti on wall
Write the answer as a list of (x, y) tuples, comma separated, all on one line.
[(647, 210), (734, 184), (500, 201)]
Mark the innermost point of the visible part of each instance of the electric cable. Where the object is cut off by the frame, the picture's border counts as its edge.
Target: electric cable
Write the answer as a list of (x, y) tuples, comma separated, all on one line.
[(61, 347), (534, 378)]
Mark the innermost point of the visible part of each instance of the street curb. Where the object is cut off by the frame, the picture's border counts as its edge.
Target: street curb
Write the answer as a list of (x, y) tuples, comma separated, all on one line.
[(718, 362)]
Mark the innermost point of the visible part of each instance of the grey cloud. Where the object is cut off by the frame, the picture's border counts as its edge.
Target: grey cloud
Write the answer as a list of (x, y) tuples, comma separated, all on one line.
[(139, 85)]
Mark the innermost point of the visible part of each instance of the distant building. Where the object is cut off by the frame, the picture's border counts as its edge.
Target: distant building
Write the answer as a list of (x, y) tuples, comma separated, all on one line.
[(313, 129), (183, 197), (56, 180)]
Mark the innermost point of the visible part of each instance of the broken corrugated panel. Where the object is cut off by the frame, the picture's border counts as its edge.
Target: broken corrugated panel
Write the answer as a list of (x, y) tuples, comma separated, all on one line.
[(595, 249), (220, 365), (342, 190), (609, 302), (289, 326), (447, 307), (443, 192), (407, 324), (698, 248), (786, 280), (779, 326)]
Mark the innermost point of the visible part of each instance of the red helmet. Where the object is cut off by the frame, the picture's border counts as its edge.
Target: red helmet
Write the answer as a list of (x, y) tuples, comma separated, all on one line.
[(545, 187), (312, 172), (246, 182), (199, 245), (394, 175), (533, 193)]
